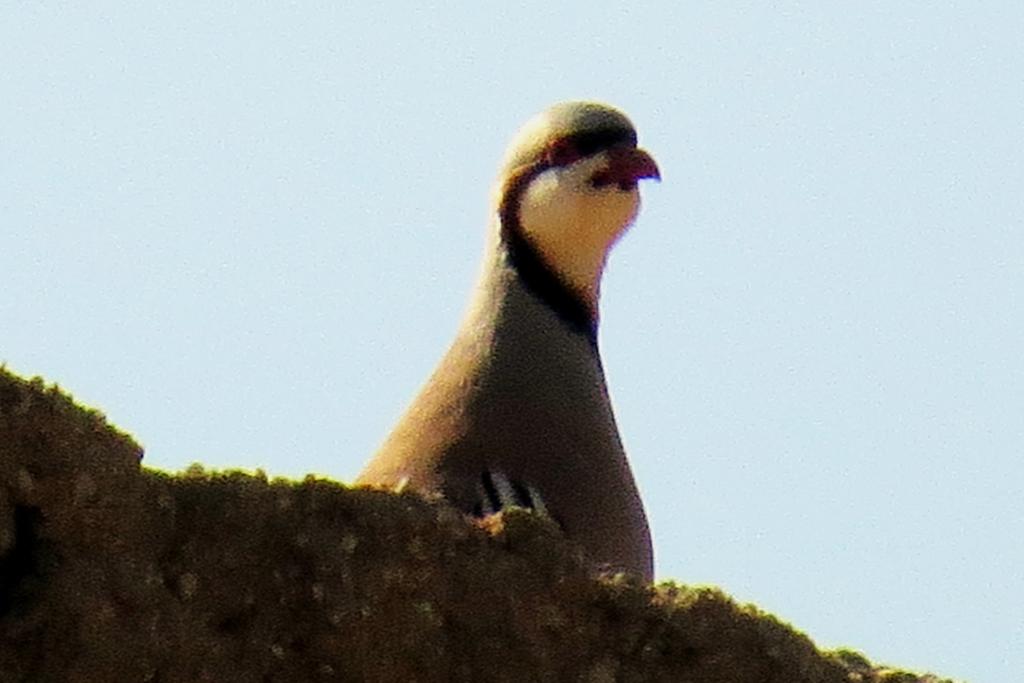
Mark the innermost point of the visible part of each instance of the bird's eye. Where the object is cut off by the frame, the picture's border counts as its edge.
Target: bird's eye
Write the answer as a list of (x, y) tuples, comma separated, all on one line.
[(562, 152)]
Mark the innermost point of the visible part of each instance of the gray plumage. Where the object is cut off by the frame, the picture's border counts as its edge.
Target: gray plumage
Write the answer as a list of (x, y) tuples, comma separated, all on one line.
[(517, 412)]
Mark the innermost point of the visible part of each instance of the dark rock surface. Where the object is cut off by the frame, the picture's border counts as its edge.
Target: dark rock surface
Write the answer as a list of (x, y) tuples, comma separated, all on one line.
[(111, 572)]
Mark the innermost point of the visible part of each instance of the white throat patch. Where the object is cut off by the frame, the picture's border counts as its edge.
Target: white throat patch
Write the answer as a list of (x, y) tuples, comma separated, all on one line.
[(573, 224)]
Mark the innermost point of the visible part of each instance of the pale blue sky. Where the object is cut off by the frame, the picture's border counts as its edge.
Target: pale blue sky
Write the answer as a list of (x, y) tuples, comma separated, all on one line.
[(247, 232)]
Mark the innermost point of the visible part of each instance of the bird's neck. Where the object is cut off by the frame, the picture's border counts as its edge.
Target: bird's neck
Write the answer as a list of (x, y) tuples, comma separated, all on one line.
[(513, 262), (520, 301), (514, 347)]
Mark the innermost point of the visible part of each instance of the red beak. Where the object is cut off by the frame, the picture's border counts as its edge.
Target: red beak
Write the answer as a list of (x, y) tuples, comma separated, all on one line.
[(626, 166)]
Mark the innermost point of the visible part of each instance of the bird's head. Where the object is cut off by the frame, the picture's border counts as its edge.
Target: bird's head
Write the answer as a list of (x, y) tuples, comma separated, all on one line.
[(568, 190)]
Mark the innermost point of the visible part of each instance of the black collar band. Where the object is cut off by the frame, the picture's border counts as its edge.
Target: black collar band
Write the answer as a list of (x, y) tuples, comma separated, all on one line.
[(536, 274)]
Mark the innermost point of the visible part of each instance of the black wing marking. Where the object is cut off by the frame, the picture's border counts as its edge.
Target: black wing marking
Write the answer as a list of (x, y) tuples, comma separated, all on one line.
[(498, 492)]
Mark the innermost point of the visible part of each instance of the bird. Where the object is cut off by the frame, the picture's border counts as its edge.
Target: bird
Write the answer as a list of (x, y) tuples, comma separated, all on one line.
[(517, 413)]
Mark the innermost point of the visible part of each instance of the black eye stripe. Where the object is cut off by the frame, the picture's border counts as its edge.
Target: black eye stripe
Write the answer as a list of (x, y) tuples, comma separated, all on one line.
[(595, 141)]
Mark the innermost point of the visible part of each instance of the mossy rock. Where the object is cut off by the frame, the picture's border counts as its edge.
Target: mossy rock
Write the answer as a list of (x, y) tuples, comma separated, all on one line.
[(111, 572)]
